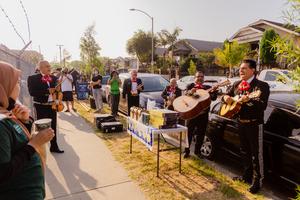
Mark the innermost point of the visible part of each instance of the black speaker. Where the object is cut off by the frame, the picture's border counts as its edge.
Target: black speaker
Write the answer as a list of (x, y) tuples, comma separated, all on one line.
[(101, 118), (109, 127)]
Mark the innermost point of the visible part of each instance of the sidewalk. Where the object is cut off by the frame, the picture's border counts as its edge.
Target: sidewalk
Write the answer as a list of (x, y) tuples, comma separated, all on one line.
[(87, 170)]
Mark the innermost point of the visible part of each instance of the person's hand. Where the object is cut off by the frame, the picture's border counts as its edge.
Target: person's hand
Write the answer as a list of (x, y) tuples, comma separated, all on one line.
[(244, 98), (228, 99), (41, 138), (21, 112), (193, 90), (139, 87), (51, 90)]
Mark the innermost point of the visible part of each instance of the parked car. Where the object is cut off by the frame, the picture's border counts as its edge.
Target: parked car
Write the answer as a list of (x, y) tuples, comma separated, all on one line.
[(104, 87), (278, 79), (208, 80), (154, 84), (281, 137)]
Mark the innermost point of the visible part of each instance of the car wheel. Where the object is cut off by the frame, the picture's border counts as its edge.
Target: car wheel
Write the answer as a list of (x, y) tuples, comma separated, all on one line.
[(208, 147)]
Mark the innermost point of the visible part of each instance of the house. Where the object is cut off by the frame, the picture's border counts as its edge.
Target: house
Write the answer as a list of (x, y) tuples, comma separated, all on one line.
[(253, 33), (191, 47)]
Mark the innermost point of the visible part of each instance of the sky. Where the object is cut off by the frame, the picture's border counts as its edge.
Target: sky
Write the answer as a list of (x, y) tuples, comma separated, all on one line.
[(54, 22)]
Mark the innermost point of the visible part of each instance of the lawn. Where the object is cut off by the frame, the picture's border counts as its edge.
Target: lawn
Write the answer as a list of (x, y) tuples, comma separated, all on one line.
[(198, 180)]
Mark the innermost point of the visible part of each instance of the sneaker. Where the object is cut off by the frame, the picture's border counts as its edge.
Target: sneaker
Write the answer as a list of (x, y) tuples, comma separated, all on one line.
[(254, 188), (67, 110)]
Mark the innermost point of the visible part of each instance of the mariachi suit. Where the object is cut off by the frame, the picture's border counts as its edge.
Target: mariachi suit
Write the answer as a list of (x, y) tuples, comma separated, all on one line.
[(131, 100), (199, 122), (251, 119), (39, 90), (167, 92)]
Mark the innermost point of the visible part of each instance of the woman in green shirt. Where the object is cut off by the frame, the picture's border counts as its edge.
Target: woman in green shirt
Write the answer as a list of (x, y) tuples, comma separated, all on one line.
[(115, 84), (21, 167)]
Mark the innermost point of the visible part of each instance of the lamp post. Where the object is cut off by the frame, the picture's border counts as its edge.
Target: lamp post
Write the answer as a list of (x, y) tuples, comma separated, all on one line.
[(152, 35)]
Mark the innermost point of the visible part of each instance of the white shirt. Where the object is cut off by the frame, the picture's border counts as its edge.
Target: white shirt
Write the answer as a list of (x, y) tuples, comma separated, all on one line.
[(50, 99), (66, 84), (250, 79), (134, 87)]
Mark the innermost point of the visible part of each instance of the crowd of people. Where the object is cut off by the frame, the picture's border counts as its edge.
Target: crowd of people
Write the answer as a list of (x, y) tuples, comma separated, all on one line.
[(21, 168)]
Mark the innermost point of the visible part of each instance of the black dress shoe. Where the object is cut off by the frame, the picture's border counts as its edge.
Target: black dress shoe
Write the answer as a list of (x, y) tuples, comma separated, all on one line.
[(186, 153), (56, 151), (254, 188)]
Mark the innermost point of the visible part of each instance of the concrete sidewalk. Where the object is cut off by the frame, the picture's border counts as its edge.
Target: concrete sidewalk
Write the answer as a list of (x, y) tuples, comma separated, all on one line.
[(87, 170)]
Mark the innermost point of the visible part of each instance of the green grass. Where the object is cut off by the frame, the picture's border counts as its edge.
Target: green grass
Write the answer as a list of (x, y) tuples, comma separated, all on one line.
[(198, 180)]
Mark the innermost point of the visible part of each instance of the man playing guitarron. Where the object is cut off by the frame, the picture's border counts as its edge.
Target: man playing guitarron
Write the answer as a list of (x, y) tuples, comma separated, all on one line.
[(250, 118), (200, 121)]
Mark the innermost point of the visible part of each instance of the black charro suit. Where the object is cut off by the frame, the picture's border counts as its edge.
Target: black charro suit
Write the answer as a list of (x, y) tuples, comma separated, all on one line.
[(251, 118), (131, 100), (198, 123), (39, 90)]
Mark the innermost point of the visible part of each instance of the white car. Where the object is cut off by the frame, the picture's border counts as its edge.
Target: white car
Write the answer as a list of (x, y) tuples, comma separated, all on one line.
[(278, 79), (208, 80)]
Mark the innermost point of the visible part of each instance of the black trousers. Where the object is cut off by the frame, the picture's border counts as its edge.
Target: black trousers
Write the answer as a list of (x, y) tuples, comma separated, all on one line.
[(133, 101), (45, 111), (197, 126), (115, 99), (251, 138)]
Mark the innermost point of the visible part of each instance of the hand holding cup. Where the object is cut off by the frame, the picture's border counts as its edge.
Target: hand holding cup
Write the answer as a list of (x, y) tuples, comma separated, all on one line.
[(41, 138)]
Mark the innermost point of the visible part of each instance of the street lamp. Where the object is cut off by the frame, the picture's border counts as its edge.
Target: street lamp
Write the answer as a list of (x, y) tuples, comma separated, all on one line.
[(152, 34)]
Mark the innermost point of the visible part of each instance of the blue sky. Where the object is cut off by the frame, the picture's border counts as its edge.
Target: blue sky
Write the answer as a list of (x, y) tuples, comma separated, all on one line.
[(55, 22)]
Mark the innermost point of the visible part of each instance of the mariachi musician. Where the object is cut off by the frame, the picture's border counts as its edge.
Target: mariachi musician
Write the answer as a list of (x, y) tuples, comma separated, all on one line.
[(200, 121), (171, 92), (250, 119), (41, 86)]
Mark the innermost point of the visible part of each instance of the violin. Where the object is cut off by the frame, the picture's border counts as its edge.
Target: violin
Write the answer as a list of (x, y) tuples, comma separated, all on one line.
[(57, 96)]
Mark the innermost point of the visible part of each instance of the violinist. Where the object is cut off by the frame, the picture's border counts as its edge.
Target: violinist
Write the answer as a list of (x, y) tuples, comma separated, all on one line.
[(41, 87)]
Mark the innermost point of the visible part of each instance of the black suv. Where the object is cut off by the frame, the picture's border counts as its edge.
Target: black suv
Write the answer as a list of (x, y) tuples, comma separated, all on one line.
[(281, 136)]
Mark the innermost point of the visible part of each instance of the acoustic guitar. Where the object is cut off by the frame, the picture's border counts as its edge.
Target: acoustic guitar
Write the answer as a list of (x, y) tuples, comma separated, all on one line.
[(190, 105), (230, 110)]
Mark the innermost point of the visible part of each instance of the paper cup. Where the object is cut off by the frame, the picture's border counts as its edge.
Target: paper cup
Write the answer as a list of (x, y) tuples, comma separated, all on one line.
[(42, 124)]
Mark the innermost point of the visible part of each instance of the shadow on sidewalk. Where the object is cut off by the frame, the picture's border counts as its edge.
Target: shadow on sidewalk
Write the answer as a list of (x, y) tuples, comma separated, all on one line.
[(77, 180), (75, 120)]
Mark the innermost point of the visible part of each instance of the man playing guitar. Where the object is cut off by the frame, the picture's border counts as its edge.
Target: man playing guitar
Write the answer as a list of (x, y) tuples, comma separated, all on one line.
[(200, 121), (170, 93), (250, 119)]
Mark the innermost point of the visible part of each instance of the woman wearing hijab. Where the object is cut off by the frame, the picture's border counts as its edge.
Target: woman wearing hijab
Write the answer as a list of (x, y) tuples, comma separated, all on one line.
[(21, 168)]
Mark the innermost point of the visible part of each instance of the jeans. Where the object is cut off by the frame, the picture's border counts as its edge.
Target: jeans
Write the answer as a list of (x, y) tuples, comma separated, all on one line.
[(115, 99), (97, 94)]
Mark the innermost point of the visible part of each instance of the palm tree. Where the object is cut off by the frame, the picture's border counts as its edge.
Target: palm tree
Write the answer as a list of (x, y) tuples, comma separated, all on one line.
[(171, 38)]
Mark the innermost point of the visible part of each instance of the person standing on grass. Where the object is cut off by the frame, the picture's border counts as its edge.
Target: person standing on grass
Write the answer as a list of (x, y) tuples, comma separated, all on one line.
[(96, 89), (66, 80), (114, 83), (132, 88)]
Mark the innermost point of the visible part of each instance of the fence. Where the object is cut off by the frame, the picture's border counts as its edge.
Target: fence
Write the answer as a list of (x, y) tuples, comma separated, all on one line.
[(27, 70)]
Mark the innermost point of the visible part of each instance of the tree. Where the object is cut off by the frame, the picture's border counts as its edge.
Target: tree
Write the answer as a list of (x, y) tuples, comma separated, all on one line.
[(267, 54), (192, 69), (285, 47), (77, 64), (207, 59), (232, 54), (140, 45), (89, 48)]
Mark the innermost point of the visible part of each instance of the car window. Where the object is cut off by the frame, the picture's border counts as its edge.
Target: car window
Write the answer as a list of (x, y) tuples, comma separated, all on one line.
[(283, 122), (271, 76), (154, 83)]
